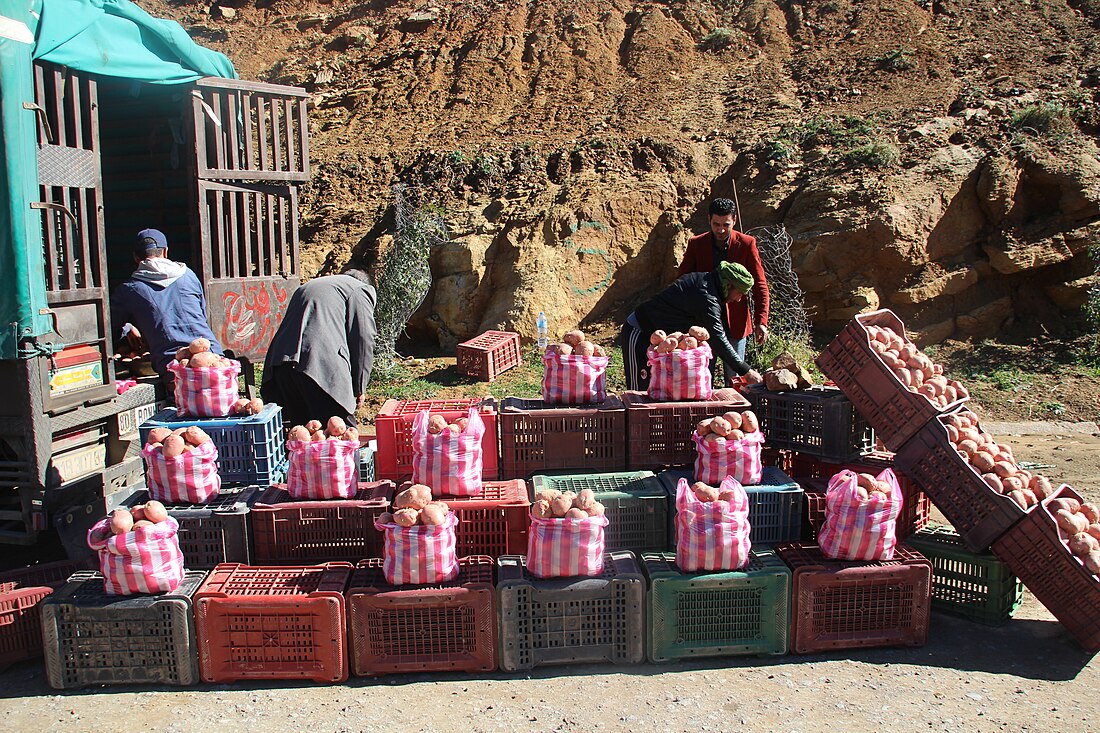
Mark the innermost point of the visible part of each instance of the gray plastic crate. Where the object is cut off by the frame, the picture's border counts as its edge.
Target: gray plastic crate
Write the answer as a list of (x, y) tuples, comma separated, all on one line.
[(571, 620), (215, 532), (91, 638)]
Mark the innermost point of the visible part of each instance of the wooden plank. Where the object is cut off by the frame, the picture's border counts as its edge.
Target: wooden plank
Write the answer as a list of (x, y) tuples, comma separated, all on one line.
[(281, 176), (249, 143), (215, 103), (276, 136), (303, 126), (252, 86), (80, 200), (247, 240), (269, 222), (261, 134)]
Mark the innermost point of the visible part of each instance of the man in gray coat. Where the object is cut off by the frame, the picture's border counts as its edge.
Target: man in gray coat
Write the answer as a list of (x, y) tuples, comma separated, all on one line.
[(319, 362)]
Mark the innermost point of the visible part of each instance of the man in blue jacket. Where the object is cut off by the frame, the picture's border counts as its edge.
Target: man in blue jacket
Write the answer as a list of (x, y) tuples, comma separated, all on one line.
[(161, 304)]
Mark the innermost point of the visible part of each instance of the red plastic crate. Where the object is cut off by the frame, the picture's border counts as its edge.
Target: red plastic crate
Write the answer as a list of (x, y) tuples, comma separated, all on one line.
[(20, 621), (536, 438), (1038, 556), (493, 523), (916, 507), (889, 407), (837, 604), (288, 532), (978, 513), (659, 433), (484, 357), (261, 623), (423, 628), (393, 426)]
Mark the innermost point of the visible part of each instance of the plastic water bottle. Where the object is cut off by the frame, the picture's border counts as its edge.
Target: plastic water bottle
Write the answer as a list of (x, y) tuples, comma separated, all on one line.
[(544, 330)]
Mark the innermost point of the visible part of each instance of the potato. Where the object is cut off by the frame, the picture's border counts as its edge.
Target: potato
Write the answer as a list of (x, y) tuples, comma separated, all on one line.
[(1094, 530), (203, 360), (183, 354), (138, 512), (351, 434), (199, 345), (141, 524), (727, 496), (689, 342), (194, 435), (1092, 562), (667, 346), (862, 493), (409, 499), (405, 517), (866, 480), (702, 428), (561, 505), (982, 461), (596, 510), (734, 419), (157, 435), (883, 487), (714, 438), (437, 424), (968, 447), (462, 422), (657, 337), (433, 515), (298, 432), (878, 347), (574, 338), (904, 376), (598, 350), (255, 406), (1018, 497), (1068, 503), (318, 436), (553, 350), (575, 513), (541, 509), (121, 521), (1090, 512), (155, 511), (423, 491), (565, 349), (585, 498), (585, 348), (703, 492), (1013, 483), (1082, 543), (547, 495), (313, 426), (173, 446), (453, 429), (994, 482), (720, 426), (735, 435), (699, 333), (385, 518), (749, 423), (1069, 523)]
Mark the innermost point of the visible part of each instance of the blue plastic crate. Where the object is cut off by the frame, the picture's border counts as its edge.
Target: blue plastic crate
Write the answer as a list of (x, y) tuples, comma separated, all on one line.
[(775, 506), (250, 448)]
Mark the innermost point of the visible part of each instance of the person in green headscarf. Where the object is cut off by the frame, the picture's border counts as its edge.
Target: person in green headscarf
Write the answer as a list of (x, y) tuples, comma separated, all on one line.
[(696, 299)]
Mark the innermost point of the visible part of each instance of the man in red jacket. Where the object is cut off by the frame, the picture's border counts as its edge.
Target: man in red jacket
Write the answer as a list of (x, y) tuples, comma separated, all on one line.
[(724, 243)]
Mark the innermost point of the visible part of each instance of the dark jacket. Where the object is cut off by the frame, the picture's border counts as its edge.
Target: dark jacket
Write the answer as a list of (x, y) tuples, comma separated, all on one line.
[(328, 333), (693, 300), (700, 257), (169, 312)]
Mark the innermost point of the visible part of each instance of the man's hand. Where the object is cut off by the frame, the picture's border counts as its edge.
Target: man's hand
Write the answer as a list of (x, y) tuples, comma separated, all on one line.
[(761, 333), (359, 400), (136, 341), (752, 377)]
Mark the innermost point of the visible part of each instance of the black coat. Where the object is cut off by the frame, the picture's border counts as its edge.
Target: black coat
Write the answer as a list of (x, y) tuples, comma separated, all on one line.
[(693, 300)]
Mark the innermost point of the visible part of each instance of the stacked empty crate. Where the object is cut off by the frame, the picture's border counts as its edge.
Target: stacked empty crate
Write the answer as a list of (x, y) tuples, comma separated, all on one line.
[(486, 356)]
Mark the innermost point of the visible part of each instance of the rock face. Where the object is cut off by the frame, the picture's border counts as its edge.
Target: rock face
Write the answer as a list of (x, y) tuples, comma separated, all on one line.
[(921, 156)]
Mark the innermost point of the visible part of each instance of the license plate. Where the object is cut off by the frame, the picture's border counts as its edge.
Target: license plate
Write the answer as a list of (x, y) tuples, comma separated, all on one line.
[(76, 377), (130, 420), (81, 462)]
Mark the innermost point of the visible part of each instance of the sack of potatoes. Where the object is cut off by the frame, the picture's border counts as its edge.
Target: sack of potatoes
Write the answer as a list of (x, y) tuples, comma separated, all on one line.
[(334, 429), (664, 343), (575, 343)]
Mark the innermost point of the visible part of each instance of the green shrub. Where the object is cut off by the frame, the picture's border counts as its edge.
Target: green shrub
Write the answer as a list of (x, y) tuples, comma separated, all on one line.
[(1048, 118), (717, 40), (876, 154)]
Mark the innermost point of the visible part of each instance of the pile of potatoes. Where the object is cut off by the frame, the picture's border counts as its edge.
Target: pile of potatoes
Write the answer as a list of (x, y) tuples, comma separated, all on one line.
[(732, 425), (415, 505), (706, 493), (437, 424), (244, 407), (198, 355), (335, 429), (915, 369), (664, 343), (868, 484), (574, 342), (172, 443), (144, 515), (994, 461), (554, 504), (1079, 529)]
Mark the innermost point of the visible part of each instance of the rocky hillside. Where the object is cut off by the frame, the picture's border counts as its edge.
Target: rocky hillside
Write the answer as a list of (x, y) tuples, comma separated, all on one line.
[(938, 157)]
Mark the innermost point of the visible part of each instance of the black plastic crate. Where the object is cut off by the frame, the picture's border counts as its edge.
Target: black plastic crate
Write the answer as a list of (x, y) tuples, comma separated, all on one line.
[(215, 532), (818, 421)]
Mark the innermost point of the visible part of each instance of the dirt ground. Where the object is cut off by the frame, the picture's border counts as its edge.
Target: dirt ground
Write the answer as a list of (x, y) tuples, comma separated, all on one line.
[(1027, 675)]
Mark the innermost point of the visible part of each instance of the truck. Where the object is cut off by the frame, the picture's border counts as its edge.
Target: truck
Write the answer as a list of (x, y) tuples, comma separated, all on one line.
[(114, 121)]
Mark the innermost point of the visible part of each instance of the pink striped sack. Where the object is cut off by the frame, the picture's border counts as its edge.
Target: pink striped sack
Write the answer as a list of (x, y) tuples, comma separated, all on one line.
[(716, 459), (856, 528), (558, 547), (573, 379), (712, 535), (323, 469), (189, 478), (143, 560), (681, 374), (205, 391), (420, 554), (448, 462)]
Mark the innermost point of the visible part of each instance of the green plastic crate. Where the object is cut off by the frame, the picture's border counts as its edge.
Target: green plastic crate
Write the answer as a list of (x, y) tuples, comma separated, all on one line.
[(635, 503), (775, 506), (717, 614), (975, 586)]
